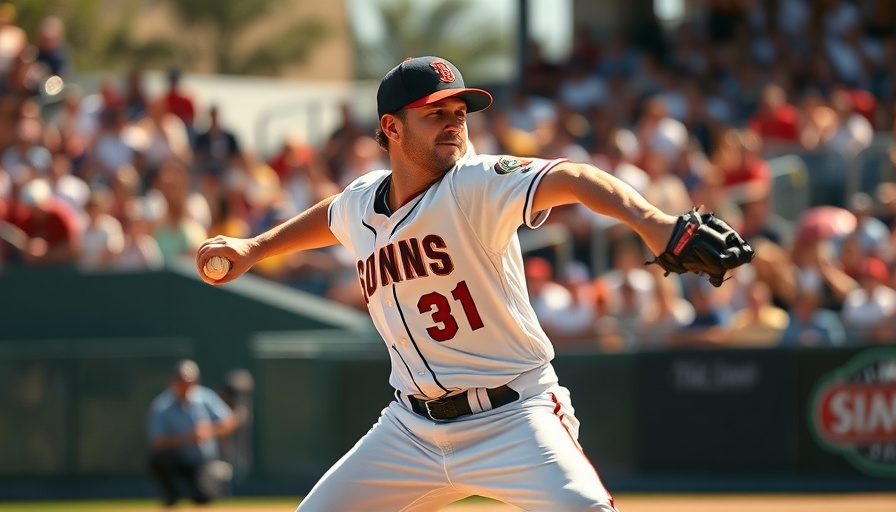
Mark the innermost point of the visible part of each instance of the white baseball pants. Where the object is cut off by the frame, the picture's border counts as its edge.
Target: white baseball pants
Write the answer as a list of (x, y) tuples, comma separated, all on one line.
[(524, 454)]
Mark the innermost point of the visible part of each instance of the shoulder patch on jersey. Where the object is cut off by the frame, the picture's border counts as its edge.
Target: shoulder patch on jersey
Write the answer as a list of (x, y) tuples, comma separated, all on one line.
[(509, 164)]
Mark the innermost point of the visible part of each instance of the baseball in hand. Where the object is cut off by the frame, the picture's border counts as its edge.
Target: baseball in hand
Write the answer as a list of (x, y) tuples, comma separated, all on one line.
[(216, 267)]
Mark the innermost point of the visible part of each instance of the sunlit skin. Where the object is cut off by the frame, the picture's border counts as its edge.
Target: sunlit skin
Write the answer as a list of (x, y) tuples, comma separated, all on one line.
[(423, 146)]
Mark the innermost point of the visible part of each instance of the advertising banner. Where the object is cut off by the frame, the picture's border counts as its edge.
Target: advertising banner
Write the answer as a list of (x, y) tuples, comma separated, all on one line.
[(851, 413)]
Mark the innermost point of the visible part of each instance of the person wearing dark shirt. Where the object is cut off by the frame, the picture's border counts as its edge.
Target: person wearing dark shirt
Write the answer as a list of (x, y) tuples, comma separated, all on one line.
[(216, 148)]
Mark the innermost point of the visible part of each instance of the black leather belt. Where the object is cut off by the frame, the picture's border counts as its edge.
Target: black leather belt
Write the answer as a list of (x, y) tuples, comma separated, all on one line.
[(455, 406)]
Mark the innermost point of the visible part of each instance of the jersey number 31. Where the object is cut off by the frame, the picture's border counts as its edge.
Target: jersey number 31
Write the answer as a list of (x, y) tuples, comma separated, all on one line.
[(446, 326)]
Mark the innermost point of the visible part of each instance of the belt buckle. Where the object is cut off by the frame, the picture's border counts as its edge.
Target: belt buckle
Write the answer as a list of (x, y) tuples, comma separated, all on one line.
[(440, 409)]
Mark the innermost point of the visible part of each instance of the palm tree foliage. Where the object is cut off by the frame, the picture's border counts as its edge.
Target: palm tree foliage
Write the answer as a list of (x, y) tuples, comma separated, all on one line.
[(452, 29), (206, 31), (228, 21)]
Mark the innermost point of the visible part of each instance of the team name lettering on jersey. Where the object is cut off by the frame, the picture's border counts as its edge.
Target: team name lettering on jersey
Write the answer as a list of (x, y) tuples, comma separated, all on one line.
[(404, 260)]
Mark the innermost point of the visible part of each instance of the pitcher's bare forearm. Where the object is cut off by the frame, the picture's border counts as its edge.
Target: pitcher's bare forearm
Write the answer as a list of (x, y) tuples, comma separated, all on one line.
[(307, 230), (603, 193)]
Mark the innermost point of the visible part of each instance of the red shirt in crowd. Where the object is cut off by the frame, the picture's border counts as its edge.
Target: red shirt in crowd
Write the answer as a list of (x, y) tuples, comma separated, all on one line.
[(182, 106), (780, 124), (58, 225)]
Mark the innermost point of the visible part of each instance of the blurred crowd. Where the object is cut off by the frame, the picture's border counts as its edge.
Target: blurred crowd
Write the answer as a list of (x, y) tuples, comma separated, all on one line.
[(119, 180)]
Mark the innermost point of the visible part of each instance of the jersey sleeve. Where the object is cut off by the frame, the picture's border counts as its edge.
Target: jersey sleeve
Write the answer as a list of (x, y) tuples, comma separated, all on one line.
[(495, 193), (347, 209), (336, 215)]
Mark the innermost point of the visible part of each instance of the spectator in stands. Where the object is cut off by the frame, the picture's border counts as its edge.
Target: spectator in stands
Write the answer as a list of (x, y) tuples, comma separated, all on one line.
[(622, 317), (627, 269), (666, 188), (689, 54), (540, 76), (760, 221), (341, 139), (580, 89), (527, 111), (705, 115), (711, 193), (810, 325), (139, 250), (712, 318), (550, 299), (759, 324), (84, 115), (160, 136), (304, 178), (559, 138), (816, 268), (216, 148), (178, 231), (110, 150), (668, 313), (103, 239), (572, 325), (619, 57), (585, 48), (51, 225), (13, 38), (27, 155), (225, 220), (852, 131), (295, 150), (364, 156), (72, 128), (617, 157), (135, 98), (124, 186), (52, 49), (657, 130), (776, 121), (873, 235), (179, 102), (20, 80), (746, 174), (67, 186), (869, 308), (185, 422), (853, 55)]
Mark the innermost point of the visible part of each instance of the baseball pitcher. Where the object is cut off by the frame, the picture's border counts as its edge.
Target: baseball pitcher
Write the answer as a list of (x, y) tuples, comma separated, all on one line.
[(478, 408)]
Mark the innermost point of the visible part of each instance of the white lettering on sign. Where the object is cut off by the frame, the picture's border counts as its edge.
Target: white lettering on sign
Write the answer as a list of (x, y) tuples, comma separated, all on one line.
[(716, 375), (861, 412)]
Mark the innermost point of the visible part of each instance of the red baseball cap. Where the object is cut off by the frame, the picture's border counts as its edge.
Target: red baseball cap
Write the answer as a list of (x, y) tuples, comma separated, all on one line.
[(424, 80)]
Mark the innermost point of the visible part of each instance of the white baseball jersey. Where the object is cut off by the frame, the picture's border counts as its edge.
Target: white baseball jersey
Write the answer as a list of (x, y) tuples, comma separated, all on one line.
[(443, 275)]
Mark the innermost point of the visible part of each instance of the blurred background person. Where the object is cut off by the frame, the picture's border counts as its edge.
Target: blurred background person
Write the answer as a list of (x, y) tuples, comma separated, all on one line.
[(182, 214), (712, 318), (811, 325), (184, 426), (51, 225), (140, 250), (870, 307), (759, 323), (103, 239)]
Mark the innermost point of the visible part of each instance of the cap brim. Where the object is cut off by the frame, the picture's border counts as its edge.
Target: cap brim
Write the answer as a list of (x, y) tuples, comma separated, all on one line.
[(476, 99)]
